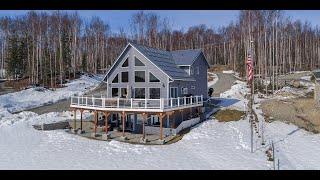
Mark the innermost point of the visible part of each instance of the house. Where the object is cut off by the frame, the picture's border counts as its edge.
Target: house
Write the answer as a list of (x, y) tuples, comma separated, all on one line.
[(152, 91), (316, 74)]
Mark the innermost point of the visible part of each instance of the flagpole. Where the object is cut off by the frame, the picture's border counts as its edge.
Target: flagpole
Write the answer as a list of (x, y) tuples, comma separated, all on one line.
[(251, 97)]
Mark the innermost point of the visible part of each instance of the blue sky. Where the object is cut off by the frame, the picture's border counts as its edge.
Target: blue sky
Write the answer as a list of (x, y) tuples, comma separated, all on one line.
[(180, 19)]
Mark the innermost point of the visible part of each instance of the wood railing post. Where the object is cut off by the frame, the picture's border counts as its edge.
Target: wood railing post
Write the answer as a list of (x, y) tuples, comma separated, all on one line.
[(131, 103), (202, 99), (191, 100), (103, 103), (162, 103), (171, 102), (184, 100), (92, 101), (196, 99), (118, 102), (86, 101), (78, 100), (178, 101)]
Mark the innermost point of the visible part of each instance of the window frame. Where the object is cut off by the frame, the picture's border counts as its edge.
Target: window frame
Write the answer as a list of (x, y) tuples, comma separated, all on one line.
[(154, 88), (175, 91), (139, 88), (182, 90), (112, 92), (135, 57), (126, 59), (122, 76), (155, 77), (114, 78), (121, 92), (144, 76)]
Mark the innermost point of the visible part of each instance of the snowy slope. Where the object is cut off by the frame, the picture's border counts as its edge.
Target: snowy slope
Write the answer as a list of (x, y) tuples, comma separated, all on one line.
[(31, 98)]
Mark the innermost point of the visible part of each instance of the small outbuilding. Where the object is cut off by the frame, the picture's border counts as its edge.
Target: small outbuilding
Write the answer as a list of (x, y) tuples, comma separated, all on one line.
[(316, 74)]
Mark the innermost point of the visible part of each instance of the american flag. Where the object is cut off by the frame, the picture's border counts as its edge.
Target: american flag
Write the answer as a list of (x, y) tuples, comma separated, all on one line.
[(249, 68)]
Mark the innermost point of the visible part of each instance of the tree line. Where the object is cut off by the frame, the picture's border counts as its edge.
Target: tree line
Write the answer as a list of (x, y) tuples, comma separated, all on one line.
[(48, 47)]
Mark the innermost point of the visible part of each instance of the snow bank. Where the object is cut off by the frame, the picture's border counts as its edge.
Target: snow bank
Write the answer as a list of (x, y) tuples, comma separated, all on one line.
[(228, 72), (30, 98), (237, 91)]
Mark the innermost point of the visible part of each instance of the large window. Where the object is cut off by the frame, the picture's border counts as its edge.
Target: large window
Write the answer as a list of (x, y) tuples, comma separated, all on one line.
[(140, 93), (124, 77), (153, 78), (125, 63), (137, 62), (139, 76), (115, 92), (154, 93), (115, 79), (173, 92), (124, 93)]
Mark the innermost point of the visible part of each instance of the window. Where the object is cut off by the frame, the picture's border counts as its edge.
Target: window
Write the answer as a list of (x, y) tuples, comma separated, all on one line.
[(173, 92), (126, 63), (185, 68), (124, 92), (115, 79), (154, 93), (115, 92), (137, 62), (124, 76), (193, 87), (139, 76), (191, 71), (184, 90), (139, 118), (198, 70), (152, 78), (140, 93)]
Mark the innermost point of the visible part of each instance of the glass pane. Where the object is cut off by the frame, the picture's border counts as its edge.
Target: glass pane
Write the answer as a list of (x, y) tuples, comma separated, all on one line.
[(115, 92), (154, 93), (140, 93), (124, 92), (116, 79), (137, 62), (153, 78), (124, 77), (139, 76), (126, 63)]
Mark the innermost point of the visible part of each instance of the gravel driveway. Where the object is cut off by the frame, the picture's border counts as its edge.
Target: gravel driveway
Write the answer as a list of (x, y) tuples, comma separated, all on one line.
[(223, 84)]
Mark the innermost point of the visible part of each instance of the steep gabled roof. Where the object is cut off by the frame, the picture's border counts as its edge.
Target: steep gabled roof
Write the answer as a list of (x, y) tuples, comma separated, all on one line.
[(163, 60)]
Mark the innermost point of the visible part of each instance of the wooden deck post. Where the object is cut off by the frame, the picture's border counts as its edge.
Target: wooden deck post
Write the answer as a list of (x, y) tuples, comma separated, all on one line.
[(161, 116), (123, 121), (144, 116), (81, 111), (75, 118), (106, 114), (95, 121)]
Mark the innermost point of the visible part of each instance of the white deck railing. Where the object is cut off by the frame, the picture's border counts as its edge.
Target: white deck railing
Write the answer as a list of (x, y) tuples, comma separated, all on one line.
[(132, 103)]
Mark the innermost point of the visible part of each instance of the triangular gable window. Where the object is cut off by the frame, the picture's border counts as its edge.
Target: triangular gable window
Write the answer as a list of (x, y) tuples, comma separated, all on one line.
[(126, 63), (115, 79), (137, 62), (153, 78)]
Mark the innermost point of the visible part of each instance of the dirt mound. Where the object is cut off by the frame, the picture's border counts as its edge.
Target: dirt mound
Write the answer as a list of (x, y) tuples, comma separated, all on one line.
[(229, 115)]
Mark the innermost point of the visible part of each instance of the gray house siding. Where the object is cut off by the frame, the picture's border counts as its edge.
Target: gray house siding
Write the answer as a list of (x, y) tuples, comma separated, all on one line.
[(131, 53), (201, 82)]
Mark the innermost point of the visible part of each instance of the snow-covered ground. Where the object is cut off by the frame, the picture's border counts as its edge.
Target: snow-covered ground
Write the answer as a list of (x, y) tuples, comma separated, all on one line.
[(214, 81), (35, 97), (210, 145)]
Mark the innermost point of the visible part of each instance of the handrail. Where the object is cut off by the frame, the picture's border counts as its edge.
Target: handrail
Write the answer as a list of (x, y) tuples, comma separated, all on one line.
[(136, 103)]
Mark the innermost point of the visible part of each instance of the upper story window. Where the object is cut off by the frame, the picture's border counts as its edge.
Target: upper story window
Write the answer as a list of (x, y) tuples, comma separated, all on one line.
[(185, 68), (153, 78), (197, 70), (184, 90), (124, 76), (139, 76), (126, 63), (115, 79), (191, 70), (137, 62)]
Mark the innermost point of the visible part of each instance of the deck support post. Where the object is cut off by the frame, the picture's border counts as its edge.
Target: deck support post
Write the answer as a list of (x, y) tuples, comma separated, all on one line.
[(81, 111), (144, 116), (161, 116), (95, 121), (75, 118), (106, 114), (123, 122)]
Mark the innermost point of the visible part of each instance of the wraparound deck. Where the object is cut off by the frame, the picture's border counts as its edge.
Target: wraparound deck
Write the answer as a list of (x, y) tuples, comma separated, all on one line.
[(135, 105)]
